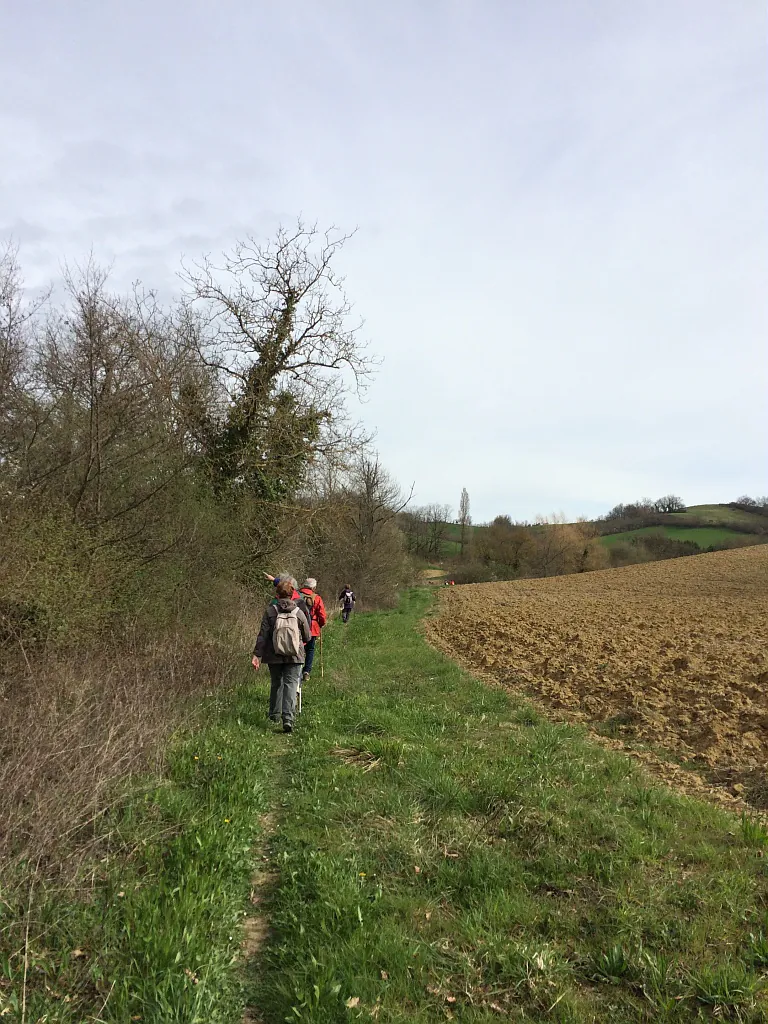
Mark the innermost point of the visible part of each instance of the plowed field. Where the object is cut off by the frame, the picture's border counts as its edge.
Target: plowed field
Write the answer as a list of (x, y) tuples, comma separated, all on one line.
[(673, 654)]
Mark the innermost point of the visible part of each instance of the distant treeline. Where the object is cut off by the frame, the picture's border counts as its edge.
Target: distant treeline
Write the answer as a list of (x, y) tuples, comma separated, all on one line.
[(504, 549), (666, 512)]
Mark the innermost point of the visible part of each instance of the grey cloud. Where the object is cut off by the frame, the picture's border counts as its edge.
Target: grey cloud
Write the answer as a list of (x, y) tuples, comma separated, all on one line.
[(562, 212), (25, 233)]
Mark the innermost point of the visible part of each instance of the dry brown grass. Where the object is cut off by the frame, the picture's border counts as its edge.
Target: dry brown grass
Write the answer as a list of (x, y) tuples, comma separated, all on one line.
[(364, 759), (74, 729)]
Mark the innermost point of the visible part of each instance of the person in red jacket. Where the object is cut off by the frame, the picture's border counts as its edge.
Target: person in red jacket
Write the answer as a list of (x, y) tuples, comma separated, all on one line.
[(317, 619)]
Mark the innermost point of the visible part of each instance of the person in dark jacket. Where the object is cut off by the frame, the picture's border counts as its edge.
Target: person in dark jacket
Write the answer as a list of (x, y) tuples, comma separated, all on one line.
[(347, 599), (284, 670)]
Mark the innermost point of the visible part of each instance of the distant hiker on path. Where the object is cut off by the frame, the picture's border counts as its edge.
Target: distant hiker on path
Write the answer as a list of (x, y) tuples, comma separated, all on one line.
[(347, 599), (317, 619), (280, 645)]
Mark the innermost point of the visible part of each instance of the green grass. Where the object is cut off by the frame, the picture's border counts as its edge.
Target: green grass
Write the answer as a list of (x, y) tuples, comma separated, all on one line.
[(451, 547), (473, 860), (717, 514), (442, 852), (704, 536), (153, 931)]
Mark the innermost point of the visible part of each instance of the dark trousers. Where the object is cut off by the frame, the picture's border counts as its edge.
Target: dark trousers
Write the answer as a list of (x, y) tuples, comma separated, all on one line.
[(282, 693), (345, 613), (309, 654)]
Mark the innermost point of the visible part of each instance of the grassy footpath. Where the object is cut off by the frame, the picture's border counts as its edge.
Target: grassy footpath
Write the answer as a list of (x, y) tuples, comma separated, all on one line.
[(441, 853), (444, 853)]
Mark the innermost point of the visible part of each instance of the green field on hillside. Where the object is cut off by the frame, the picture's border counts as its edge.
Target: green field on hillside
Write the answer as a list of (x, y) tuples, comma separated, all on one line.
[(704, 536), (716, 514)]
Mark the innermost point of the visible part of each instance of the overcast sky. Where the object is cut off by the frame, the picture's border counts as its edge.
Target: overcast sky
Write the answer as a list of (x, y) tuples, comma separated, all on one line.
[(561, 211)]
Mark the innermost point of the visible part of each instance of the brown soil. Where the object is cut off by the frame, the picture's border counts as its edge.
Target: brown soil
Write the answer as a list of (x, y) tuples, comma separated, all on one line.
[(671, 655)]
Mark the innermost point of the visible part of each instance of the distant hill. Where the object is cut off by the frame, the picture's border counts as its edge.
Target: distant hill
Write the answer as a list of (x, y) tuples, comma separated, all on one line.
[(704, 536), (723, 515), (706, 526)]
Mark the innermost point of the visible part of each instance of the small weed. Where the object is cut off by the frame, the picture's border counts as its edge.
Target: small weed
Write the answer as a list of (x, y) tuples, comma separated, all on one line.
[(753, 831), (531, 966), (618, 726), (369, 729), (659, 982), (727, 987), (757, 949), (611, 966), (527, 716)]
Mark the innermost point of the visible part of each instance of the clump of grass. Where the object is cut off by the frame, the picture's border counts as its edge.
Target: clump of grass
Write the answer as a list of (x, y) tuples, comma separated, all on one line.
[(757, 949), (612, 965), (364, 759), (729, 988), (753, 831)]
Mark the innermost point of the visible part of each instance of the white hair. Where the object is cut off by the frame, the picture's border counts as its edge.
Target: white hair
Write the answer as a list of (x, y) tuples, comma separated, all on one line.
[(310, 583)]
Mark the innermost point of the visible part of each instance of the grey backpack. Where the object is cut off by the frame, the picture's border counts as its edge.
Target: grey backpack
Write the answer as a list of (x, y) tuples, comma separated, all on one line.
[(286, 636)]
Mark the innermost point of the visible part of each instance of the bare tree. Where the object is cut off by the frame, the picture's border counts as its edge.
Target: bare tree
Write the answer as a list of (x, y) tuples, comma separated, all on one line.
[(111, 432), (436, 518), (559, 547), (669, 503), (504, 543), (465, 520), (375, 499), (18, 325), (413, 523), (276, 325), (354, 536)]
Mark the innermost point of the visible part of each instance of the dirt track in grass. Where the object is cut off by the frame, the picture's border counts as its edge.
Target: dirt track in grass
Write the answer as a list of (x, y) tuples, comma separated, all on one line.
[(671, 654)]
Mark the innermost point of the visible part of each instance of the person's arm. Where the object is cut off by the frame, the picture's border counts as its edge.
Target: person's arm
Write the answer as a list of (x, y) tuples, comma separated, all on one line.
[(320, 614), (261, 640)]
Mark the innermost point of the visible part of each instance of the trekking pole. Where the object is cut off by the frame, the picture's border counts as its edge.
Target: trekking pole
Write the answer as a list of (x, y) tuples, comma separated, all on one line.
[(321, 654)]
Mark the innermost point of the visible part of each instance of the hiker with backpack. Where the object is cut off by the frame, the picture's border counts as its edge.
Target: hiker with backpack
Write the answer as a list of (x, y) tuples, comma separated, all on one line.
[(317, 619), (347, 599), (284, 631)]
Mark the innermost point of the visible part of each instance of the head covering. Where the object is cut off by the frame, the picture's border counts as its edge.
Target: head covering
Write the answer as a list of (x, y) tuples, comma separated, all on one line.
[(310, 583)]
